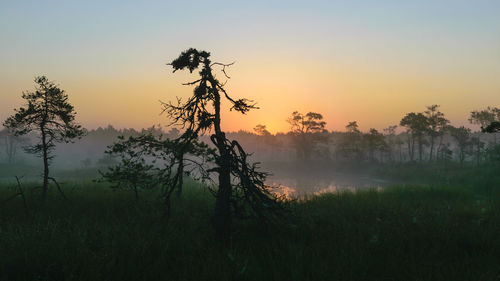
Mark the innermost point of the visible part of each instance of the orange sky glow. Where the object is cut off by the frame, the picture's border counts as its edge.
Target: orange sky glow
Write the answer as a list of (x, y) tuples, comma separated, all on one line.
[(372, 64)]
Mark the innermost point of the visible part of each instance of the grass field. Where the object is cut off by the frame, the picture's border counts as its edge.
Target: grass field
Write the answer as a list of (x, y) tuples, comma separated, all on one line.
[(401, 233)]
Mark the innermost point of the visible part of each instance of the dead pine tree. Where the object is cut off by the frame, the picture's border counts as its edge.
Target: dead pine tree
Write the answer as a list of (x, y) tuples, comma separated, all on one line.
[(241, 188)]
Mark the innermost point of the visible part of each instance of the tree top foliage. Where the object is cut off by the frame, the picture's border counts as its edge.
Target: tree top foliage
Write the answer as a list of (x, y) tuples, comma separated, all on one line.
[(416, 123), (46, 112), (311, 122), (195, 115)]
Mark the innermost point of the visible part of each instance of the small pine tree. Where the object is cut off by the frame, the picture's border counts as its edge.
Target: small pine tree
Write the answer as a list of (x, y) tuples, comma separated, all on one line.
[(48, 114)]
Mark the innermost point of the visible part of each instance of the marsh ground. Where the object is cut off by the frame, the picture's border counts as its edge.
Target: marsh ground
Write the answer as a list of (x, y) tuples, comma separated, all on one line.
[(401, 233)]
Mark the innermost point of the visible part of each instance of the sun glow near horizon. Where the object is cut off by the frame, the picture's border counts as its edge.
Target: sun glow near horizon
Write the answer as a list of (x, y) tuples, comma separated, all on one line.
[(373, 68), (340, 96)]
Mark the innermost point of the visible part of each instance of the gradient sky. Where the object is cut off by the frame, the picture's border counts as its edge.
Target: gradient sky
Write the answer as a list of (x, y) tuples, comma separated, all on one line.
[(370, 61)]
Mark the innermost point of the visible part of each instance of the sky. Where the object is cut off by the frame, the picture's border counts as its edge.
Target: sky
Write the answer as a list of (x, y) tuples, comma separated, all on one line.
[(369, 61)]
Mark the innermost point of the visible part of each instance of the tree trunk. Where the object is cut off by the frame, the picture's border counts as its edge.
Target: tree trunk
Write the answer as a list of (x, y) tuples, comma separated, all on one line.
[(478, 150), (420, 148), (45, 148), (222, 218), (136, 193), (180, 172), (440, 147), (10, 148), (410, 150), (432, 149), (45, 167)]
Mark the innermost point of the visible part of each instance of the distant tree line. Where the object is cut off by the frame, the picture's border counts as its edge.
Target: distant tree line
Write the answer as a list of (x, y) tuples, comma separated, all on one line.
[(425, 136)]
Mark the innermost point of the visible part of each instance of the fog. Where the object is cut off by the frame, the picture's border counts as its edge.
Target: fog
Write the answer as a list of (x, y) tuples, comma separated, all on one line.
[(321, 162)]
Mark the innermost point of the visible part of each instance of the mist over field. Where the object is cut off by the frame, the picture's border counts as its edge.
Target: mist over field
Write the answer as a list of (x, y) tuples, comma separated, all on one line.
[(335, 159), (292, 140)]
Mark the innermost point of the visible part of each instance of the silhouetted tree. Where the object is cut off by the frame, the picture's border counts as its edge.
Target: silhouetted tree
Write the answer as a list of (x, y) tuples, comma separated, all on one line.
[(444, 153), (261, 130), (491, 115), (493, 154), (483, 118), (49, 114), (392, 140), (374, 141), (147, 161), (239, 183), (11, 143), (311, 122), (493, 127), (416, 125), (349, 145), (133, 171), (267, 137), (352, 127), (479, 147), (437, 124), (307, 131), (462, 136)]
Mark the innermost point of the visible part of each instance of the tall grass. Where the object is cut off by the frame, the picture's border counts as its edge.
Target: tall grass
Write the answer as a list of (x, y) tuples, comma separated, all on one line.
[(400, 233)]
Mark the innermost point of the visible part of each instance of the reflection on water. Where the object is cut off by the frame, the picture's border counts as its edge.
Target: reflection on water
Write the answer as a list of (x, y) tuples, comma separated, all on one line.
[(303, 186)]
